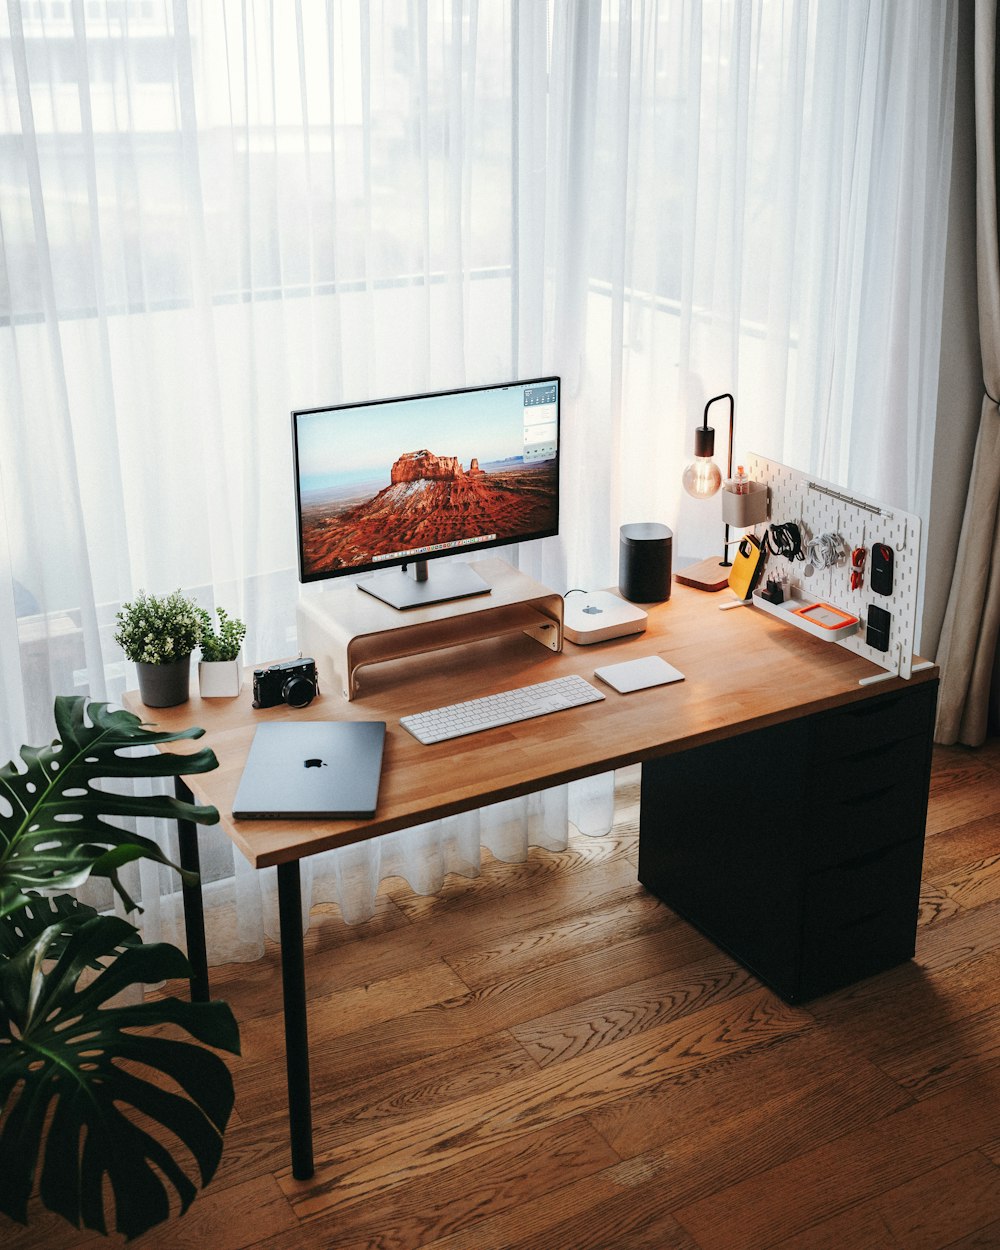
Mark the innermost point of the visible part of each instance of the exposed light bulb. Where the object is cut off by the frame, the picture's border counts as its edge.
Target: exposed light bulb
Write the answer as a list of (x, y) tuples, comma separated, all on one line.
[(702, 478)]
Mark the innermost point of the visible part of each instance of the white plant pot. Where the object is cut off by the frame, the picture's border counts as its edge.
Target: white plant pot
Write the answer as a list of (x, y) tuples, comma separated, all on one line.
[(219, 679)]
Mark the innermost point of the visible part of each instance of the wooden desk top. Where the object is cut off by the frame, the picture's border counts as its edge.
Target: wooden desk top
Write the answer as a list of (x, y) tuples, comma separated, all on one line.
[(743, 670)]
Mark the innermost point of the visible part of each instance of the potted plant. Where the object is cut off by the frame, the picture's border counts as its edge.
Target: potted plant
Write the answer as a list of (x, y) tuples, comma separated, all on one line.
[(97, 1097), (158, 634), (219, 671)]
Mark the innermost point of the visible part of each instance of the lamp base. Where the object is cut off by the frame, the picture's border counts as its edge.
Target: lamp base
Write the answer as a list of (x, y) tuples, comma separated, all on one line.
[(710, 574)]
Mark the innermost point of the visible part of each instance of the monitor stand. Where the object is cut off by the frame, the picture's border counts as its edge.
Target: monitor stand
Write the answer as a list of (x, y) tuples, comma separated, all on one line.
[(413, 587), (344, 632)]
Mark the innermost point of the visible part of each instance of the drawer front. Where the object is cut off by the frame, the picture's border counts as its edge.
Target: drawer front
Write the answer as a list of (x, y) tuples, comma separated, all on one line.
[(867, 801), (860, 917), (875, 722)]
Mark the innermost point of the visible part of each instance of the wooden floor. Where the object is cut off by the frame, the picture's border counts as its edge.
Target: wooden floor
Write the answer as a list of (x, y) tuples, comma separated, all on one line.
[(546, 1057)]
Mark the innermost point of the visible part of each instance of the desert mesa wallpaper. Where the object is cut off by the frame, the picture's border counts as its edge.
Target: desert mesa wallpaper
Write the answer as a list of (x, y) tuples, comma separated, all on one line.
[(430, 500)]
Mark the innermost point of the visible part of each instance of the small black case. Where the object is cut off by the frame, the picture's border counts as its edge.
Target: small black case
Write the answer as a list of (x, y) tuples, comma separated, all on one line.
[(877, 634), (881, 579)]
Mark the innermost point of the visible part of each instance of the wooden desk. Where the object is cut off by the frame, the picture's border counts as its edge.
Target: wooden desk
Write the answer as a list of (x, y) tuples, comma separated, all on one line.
[(748, 677)]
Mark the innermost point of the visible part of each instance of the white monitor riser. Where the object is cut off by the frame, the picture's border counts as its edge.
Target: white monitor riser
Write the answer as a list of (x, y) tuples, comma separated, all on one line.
[(344, 630)]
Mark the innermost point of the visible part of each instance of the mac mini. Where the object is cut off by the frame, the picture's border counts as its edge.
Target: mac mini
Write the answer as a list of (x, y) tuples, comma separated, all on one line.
[(598, 615)]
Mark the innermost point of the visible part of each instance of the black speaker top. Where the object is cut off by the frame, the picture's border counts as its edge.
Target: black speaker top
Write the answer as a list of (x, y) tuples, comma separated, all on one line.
[(646, 532)]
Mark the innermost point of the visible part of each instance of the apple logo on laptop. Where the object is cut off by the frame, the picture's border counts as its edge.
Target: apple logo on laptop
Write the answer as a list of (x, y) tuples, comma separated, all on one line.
[(313, 764), (592, 610)]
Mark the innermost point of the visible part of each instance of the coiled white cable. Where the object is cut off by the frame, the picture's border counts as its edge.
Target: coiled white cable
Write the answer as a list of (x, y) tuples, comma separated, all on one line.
[(827, 550)]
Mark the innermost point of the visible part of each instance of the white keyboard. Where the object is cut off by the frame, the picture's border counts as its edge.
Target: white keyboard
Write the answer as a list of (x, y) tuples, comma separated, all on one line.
[(493, 710)]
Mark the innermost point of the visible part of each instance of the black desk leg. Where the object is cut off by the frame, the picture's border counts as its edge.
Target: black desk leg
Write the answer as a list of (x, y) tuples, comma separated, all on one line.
[(194, 910), (293, 980)]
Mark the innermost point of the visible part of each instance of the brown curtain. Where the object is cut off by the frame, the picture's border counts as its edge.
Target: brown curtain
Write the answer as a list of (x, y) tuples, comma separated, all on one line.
[(968, 645)]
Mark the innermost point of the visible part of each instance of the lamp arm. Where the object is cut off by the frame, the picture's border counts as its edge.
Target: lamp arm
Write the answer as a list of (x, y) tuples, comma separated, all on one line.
[(732, 416), (725, 562)]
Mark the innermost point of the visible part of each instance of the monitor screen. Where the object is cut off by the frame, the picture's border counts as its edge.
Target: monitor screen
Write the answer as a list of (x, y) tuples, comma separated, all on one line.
[(399, 482)]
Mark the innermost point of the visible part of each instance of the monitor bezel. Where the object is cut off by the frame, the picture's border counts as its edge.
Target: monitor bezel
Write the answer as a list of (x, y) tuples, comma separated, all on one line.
[(375, 566)]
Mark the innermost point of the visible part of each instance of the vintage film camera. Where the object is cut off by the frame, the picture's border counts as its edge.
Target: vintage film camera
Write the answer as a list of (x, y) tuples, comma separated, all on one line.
[(294, 682)]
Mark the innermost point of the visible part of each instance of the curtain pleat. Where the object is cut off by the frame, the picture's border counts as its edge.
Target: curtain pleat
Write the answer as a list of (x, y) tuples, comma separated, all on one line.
[(968, 644)]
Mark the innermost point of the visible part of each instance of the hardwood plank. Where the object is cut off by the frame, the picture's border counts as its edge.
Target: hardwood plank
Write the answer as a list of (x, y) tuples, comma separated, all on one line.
[(789, 1199), (46, 1231), (969, 933), (936, 906), (989, 750), (964, 788), (636, 1217), (610, 1209), (208, 1222), (615, 917), (975, 885), (355, 1009), (630, 1009), (457, 1199), (946, 1055), (215, 1219), (909, 1002), (919, 1214), (987, 1238), (961, 852), (346, 1111), (705, 1129)]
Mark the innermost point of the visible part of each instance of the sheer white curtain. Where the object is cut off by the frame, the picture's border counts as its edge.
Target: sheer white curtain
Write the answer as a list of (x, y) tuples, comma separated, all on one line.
[(747, 198), (212, 213)]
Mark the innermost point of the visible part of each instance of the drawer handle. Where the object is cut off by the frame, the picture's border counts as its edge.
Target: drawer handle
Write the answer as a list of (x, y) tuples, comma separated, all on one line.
[(870, 857), (866, 710), (873, 754), (855, 800)]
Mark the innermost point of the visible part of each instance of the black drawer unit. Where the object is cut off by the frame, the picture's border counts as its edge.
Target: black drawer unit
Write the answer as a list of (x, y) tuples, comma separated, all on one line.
[(798, 848)]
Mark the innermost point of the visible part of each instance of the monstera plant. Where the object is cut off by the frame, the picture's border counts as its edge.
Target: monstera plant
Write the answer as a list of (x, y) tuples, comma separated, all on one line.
[(96, 1096)]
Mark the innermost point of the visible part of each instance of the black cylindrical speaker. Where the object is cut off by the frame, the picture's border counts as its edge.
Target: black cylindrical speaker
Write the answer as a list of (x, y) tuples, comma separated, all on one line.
[(645, 552)]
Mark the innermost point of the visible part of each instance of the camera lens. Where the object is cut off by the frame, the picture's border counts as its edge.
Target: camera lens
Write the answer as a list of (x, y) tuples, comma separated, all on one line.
[(298, 691)]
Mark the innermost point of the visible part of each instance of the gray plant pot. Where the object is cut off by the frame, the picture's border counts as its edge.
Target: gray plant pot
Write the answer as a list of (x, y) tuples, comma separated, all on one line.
[(165, 685)]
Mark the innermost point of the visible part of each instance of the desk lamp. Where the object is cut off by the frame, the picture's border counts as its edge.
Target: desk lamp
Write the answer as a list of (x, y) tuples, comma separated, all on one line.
[(744, 503), (702, 480)]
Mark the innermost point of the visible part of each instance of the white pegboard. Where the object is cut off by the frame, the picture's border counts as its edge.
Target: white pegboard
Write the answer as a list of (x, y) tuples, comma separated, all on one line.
[(819, 507)]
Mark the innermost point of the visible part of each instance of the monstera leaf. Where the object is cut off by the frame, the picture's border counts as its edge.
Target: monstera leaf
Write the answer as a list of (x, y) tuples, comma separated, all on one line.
[(75, 1075), (53, 831), (90, 1104), (60, 914)]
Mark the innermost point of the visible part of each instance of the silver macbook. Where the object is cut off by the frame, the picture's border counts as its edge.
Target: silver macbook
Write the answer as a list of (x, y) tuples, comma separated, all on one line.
[(324, 770)]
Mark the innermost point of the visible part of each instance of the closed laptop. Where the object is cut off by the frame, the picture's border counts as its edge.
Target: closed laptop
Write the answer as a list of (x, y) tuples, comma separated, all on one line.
[(322, 770)]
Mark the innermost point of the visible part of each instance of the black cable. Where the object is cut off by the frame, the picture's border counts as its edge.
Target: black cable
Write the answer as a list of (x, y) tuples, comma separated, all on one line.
[(785, 539)]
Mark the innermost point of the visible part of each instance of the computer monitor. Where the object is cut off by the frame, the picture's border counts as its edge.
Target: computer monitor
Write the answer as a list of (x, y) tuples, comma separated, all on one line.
[(387, 486)]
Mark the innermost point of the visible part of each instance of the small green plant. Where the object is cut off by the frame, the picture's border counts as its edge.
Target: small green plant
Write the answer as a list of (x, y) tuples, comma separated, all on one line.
[(224, 643), (158, 629)]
